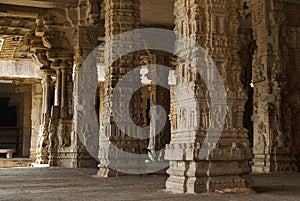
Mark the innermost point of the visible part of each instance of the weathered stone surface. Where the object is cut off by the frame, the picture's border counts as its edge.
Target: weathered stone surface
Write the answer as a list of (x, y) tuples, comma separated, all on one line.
[(78, 184), (252, 42), (227, 165), (272, 150)]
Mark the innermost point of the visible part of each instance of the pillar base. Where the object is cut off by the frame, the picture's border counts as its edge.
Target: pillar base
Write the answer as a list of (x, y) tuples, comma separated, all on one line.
[(267, 163), (204, 184), (186, 178), (75, 159)]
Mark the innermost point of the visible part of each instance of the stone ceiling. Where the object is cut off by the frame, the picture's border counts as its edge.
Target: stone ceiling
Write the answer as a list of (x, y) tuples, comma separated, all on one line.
[(12, 30), (18, 21), (158, 13)]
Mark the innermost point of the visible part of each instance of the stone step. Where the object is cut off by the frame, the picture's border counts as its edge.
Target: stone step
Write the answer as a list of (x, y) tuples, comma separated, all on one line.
[(16, 162)]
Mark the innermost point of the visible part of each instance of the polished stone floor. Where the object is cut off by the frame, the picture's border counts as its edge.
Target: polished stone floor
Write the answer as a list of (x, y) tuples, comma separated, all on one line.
[(79, 184)]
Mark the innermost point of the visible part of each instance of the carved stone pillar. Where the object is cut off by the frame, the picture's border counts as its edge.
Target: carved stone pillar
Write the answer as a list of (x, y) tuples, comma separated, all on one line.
[(113, 138), (65, 78), (42, 143), (291, 98), (272, 147), (85, 19), (214, 24), (36, 113), (40, 58), (60, 53), (60, 128)]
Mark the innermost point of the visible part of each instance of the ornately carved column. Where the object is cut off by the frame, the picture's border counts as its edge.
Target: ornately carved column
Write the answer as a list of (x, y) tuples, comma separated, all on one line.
[(272, 146), (120, 16), (60, 53), (40, 58), (214, 24), (85, 19)]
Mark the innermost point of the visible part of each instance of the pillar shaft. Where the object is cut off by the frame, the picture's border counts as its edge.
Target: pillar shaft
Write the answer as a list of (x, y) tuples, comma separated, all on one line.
[(214, 25), (272, 149), (42, 152), (113, 138), (64, 94), (57, 98)]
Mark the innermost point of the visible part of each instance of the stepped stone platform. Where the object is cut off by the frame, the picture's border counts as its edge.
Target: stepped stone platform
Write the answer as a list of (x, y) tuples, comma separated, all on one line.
[(16, 162)]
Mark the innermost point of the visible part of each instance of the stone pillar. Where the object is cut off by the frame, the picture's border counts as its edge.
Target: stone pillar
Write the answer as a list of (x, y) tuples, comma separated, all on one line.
[(57, 97), (213, 24), (36, 113), (101, 106), (272, 148), (42, 143), (60, 53), (41, 60), (61, 116), (291, 97), (66, 73), (54, 117), (85, 19), (120, 16)]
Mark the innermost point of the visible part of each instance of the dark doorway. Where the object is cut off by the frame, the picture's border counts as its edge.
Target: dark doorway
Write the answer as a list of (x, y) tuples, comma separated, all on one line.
[(10, 133), (8, 114)]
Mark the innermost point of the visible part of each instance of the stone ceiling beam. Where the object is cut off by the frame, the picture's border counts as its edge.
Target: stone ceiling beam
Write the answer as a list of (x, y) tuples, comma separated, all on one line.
[(21, 11), (15, 27), (39, 4)]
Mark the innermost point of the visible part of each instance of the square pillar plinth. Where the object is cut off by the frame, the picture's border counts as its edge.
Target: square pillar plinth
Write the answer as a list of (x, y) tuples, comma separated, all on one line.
[(223, 169)]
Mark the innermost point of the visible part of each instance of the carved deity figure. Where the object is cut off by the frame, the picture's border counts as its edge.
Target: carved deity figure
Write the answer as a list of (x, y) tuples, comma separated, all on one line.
[(261, 139), (259, 72)]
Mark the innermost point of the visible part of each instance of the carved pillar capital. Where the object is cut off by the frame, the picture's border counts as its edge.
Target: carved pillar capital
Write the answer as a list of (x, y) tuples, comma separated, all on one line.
[(84, 13), (39, 53), (58, 45)]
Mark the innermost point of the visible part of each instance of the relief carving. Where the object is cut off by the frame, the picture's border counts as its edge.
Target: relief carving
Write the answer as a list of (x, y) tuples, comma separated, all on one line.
[(258, 13), (259, 72)]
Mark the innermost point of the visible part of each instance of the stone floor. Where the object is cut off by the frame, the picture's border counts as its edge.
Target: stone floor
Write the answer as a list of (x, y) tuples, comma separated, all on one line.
[(79, 184)]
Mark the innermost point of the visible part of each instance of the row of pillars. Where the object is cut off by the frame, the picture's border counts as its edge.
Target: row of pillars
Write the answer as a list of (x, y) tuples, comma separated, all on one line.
[(188, 174)]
